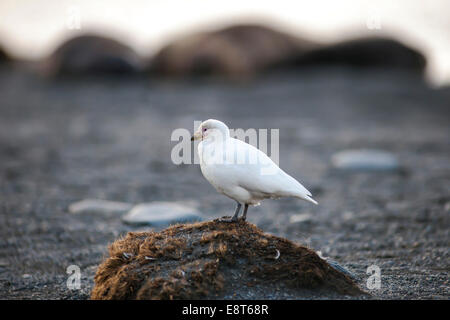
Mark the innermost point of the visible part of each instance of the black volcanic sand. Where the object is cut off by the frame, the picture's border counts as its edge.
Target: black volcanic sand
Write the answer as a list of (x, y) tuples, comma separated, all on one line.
[(67, 140)]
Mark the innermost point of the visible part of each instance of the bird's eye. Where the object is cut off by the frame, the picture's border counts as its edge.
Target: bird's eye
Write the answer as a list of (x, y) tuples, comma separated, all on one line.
[(204, 129)]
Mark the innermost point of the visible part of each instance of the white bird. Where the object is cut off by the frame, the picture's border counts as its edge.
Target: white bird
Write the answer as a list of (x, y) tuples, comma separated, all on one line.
[(241, 171)]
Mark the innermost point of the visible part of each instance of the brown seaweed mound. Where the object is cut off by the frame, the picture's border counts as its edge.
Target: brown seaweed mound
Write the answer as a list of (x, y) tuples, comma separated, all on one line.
[(209, 260)]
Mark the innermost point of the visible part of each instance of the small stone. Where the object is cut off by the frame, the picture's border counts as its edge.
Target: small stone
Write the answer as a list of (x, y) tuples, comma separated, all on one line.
[(161, 213), (447, 207), (99, 206), (364, 160), (26, 276), (348, 215), (302, 217)]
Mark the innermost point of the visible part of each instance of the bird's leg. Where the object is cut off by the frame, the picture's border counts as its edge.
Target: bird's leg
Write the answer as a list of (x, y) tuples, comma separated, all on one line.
[(244, 215), (235, 217)]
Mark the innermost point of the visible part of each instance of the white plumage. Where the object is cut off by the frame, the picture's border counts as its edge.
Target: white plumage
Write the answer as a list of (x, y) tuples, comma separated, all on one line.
[(241, 171)]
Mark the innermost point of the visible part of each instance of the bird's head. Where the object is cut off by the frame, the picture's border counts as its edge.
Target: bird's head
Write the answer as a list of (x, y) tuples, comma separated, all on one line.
[(211, 130)]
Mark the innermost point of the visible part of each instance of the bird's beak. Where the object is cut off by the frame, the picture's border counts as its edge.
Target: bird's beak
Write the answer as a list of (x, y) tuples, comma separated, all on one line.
[(197, 136)]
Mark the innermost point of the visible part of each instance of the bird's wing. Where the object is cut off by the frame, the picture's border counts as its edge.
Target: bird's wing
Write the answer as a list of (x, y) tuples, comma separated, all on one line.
[(264, 176)]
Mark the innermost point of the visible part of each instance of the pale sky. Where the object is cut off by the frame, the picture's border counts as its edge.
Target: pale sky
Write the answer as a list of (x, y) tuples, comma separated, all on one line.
[(32, 29)]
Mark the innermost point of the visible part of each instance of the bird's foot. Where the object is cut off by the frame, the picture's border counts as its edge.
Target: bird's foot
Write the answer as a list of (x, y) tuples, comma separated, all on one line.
[(228, 219)]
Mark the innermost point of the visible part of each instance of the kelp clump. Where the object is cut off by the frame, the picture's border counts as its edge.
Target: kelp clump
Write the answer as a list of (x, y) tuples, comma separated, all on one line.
[(211, 260)]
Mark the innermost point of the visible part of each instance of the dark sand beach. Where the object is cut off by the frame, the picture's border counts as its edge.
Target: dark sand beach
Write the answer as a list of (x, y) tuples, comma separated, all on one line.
[(65, 140)]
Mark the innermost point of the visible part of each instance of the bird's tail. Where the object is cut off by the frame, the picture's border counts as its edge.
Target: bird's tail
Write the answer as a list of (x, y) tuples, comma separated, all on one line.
[(302, 193), (310, 199), (307, 198)]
